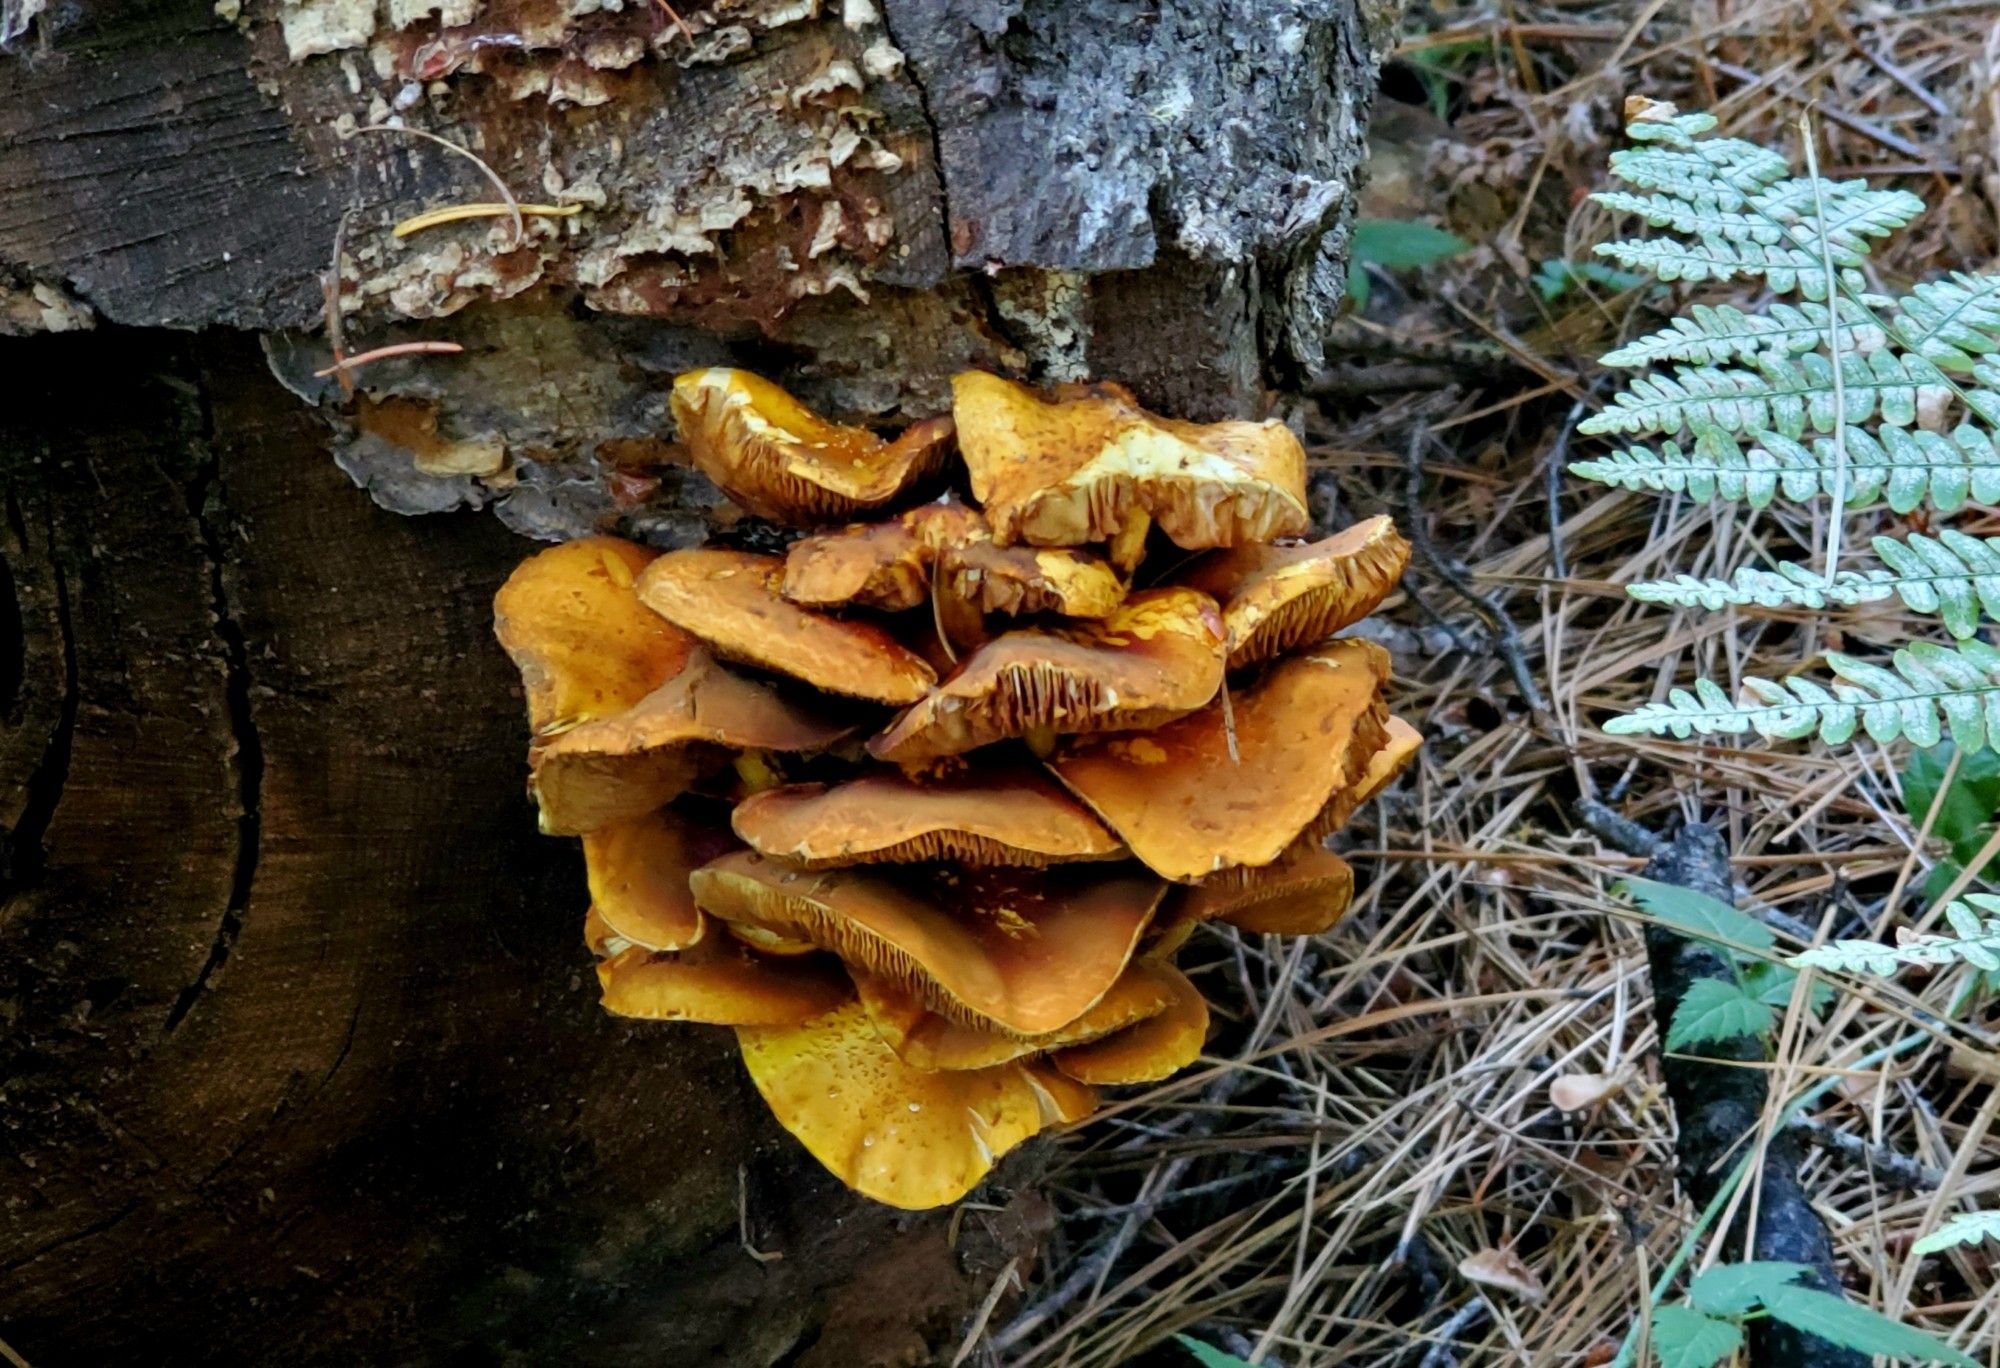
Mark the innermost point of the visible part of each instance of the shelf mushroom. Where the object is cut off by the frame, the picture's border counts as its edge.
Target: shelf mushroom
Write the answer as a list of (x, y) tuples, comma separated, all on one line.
[(1157, 657), (942, 942), (731, 601), (985, 816), (1187, 808), (778, 459)]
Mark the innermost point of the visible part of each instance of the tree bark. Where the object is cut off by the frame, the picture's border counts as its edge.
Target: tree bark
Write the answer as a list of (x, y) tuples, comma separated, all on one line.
[(299, 1060)]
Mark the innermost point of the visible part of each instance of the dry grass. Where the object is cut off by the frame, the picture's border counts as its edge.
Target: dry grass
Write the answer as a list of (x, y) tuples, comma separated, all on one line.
[(1377, 1105)]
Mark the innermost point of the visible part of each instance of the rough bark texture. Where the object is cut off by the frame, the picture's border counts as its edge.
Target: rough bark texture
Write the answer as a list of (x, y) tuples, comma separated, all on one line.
[(861, 198), (1717, 1107), (299, 1061)]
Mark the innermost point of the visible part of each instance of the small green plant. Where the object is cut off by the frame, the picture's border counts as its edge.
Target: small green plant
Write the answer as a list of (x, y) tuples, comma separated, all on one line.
[(1708, 1326), (1846, 396), (1713, 1008), (1208, 1356), (1394, 245)]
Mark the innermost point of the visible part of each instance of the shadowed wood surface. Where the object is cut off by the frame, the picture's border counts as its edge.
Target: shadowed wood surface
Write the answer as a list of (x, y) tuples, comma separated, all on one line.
[(301, 1050)]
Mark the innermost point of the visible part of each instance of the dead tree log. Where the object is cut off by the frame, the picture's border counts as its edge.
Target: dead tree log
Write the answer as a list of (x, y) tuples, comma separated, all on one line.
[(298, 1058)]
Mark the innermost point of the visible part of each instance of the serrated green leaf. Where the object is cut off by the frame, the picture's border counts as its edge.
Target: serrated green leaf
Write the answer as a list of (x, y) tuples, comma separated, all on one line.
[(1969, 1228), (1736, 1289), (1857, 1327), (1684, 1338), (1717, 1009), (1208, 1356), (1699, 915)]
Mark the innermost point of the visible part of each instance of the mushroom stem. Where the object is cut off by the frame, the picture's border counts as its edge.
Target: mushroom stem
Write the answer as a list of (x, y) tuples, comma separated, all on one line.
[(1128, 548), (1040, 740), (757, 772)]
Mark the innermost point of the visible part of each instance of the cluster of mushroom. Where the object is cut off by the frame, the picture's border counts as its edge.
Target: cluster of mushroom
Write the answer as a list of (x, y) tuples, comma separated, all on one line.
[(925, 807)]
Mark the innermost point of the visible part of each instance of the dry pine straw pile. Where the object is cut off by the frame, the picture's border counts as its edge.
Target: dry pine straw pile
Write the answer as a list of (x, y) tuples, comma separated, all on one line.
[(1376, 1108)]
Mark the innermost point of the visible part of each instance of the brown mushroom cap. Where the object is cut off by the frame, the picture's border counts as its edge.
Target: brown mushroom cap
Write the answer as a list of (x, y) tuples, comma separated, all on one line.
[(638, 872), (1301, 893), (778, 459), (1009, 815), (924, 1040), (1158, 657), (1026, 951), (904, 1136), (730, 600), (1081, 469), (1156, 1048), (1187, 809), (571, 619), (624, 766), (721, 982), (1277, 598)]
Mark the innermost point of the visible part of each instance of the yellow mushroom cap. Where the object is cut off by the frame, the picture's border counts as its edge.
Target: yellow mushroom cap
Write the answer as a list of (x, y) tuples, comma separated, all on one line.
[(992, 815), (911, 1138), (1277, 598), (1301, 893), (598, 936), (1187, 809), (638, 874), (1025, 951), (624, 766), (730, 600), (1081, 469), (1156, 1048), (721, 982), (924, 1040), (775, 457), (571, 619), (1157, 657)]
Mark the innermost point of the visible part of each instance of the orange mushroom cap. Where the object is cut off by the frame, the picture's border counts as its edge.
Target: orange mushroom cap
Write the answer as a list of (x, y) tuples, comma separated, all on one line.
[(778, 459), (1277, 598), (1024, 951), (1158, 657), (624, 766), (1187, 809), (1156, 1048), (871, 565), (1301, 893), (1018, 580), (986, 816), (1081, 469), (571, 619), (721, 982), (730, 600), (1399, 745), (911, 1138), (924, 1040), (638, 872)]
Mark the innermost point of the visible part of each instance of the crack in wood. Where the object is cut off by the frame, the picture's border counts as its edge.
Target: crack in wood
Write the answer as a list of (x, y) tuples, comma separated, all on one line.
[(247, 760), (22, 853)]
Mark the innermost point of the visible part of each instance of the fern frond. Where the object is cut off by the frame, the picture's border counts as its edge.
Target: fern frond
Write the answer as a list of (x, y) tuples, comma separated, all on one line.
[(1787, 213), (1951, 322), (1952, 575), (1977, 944), (1790, 585), (1778, 394), (1932, 690), (1786, 269), (1726, 171), (1717, 333), (1904, 467), (1969, 1227)]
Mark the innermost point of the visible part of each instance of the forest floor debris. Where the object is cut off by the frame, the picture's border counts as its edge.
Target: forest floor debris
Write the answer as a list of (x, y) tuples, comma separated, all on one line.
[(1385, 1103)]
